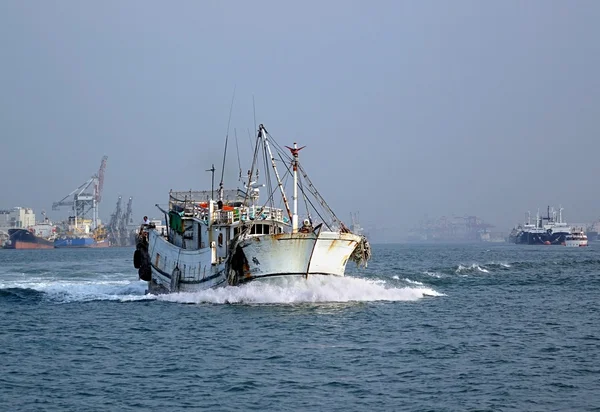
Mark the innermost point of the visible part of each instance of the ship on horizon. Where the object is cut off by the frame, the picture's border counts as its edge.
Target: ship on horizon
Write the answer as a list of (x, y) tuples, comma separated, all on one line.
[(547, 230), (24, 233)]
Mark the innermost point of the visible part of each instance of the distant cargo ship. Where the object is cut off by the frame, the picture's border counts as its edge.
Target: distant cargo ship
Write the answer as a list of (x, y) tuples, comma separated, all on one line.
[(25, 239), (79, 242), (549, 230)]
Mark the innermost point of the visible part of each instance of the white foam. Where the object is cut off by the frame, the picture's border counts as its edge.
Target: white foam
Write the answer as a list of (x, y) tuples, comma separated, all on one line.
[(473, 267), (268, 291), (297, 290), (414, 282), (66, 291)]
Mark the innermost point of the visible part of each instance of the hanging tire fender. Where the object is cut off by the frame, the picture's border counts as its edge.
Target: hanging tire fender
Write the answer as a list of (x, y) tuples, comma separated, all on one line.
[(137, 259)]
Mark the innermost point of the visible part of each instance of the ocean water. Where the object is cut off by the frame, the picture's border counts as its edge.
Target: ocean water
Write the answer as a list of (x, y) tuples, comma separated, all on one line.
[(424, 328)]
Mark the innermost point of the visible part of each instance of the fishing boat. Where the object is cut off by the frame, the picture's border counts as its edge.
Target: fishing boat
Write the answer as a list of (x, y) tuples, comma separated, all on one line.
[(243, 235)]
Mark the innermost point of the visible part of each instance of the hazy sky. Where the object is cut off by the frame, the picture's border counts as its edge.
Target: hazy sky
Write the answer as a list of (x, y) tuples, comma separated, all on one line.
[(407, 108)]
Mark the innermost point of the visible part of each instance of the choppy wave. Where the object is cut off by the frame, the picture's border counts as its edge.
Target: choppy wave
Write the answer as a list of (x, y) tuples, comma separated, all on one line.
[(472, 268), (66, 291)]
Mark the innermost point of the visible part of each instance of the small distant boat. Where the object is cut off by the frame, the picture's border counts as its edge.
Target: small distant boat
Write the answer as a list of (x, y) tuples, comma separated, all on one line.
[(577, 238)]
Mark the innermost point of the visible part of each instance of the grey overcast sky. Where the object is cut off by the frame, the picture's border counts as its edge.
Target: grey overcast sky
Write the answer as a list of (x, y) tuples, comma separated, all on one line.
[(407, 108)]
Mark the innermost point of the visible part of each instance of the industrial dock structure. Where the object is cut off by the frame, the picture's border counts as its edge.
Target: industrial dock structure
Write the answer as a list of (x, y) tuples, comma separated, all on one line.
[(19, 228), (121, 230)]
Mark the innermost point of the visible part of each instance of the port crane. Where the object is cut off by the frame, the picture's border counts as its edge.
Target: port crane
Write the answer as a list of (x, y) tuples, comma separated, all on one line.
[(118, 233), (84, 200), (113, 224)]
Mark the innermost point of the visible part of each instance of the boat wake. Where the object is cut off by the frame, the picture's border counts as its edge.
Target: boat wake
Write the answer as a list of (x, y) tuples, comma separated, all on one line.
[(315, 289)]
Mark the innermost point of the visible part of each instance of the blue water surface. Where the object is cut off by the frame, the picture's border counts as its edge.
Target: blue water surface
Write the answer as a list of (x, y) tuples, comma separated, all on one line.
[(487, 327)]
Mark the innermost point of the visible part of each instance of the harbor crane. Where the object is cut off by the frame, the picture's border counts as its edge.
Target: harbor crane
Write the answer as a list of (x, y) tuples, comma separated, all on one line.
[(113, 224), (84, 200), (119, 233)]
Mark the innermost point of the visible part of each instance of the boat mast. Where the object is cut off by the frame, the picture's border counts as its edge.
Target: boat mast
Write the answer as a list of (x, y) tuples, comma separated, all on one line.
[(560, 209), (263, 134), (294, 151), (212, 187), (295, 167)]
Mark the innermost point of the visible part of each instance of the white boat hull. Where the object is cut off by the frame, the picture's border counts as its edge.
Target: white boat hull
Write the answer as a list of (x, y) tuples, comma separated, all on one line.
[(297, 254), (195, 270), (576, 243)]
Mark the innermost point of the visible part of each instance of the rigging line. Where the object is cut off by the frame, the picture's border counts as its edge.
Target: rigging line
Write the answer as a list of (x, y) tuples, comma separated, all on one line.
[(238, 153), (254, 111), (280, 149), (288, 171), (252, 168), (305, 199), (253, 222), (227, 134), (315, 209), (268, 173), (285, 177), (250, 140), (317, 194)]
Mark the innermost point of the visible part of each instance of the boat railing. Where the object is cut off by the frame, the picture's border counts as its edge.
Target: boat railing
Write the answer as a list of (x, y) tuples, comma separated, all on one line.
[(243, 214)]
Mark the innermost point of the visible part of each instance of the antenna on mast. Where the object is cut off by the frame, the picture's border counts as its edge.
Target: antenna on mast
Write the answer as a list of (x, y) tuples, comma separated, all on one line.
[(212, 188), (226, 141)]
